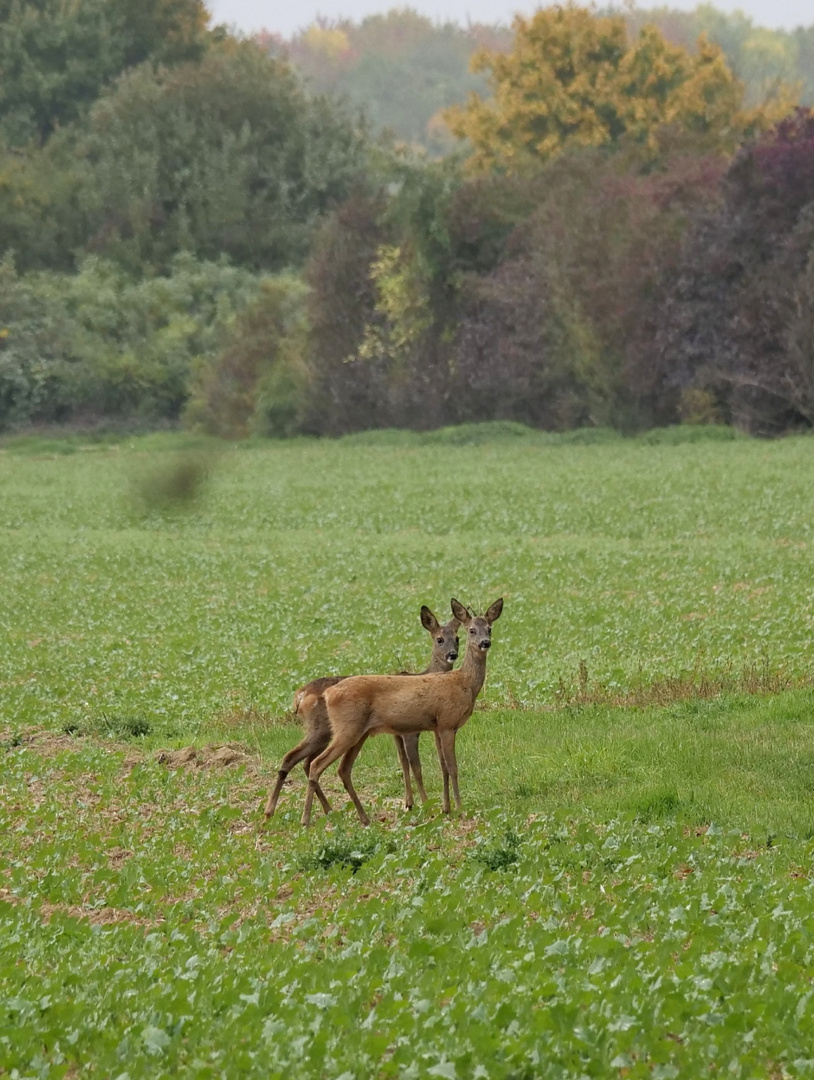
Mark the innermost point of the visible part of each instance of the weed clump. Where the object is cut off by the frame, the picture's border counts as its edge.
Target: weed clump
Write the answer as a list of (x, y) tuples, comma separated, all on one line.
[(349, 851), (119, 727), (501, 855)]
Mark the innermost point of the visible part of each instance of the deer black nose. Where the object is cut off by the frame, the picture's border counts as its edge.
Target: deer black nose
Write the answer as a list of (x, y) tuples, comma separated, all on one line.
[(452, 656), (487, 644)]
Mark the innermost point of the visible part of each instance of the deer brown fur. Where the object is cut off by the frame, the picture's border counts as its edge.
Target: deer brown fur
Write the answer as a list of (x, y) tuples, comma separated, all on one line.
[(309, 706), (367, 705)]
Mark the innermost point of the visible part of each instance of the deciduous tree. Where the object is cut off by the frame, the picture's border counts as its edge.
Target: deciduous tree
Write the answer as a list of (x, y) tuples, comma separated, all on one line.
[(224, 156), (573, 78), (56, 58)]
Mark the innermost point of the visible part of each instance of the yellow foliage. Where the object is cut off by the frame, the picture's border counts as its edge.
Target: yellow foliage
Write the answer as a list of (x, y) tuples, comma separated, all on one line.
[(332, 43), (574, 79), (401, 298)]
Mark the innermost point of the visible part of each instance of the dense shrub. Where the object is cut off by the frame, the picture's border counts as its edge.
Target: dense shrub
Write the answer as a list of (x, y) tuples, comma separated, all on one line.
[(346, 393), (491, 298), (259, 381), (99, 345), (386, 276), (34, 364), (737, 323)]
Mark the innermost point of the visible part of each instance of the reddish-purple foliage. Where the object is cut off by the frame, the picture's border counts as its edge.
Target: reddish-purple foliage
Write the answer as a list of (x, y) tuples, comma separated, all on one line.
[(560, 334), (741, 292)]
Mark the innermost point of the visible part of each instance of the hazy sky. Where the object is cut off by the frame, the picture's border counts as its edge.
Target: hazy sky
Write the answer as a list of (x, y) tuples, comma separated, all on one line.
[(285, 18)]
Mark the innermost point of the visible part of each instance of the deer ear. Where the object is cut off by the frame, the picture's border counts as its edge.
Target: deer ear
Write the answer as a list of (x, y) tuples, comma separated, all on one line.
[(493, 614), (429, 621), (453, 624), (460, 613)]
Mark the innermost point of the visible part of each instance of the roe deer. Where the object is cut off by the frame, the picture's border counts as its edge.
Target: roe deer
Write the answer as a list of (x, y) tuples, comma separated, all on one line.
[(367, 705), (309, 705)]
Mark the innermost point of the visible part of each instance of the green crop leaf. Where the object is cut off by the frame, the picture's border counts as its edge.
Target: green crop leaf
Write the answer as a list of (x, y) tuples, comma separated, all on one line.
[(155, 1039)]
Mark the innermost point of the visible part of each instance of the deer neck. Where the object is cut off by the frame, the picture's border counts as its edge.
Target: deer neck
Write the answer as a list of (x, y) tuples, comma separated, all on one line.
[(473, 669)]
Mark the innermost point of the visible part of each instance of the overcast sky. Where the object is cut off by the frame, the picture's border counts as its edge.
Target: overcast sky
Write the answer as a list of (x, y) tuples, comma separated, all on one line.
[(286, 18)]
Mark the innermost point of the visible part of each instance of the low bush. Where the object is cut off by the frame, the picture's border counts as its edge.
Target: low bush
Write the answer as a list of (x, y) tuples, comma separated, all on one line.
[(259, 381), (100, 345)]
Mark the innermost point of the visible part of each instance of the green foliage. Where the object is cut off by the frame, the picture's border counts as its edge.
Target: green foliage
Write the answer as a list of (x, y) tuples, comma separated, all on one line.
[(462, 299), (477, 434), (99, 345), (486, 307), (40, 223), (31, 349), (501, 854), (259, 381), (688, 433), (223, 156), (657, 805), (341, 306), (115, 727), (341, 850), (144, 924), (133, 134), (56, 58)]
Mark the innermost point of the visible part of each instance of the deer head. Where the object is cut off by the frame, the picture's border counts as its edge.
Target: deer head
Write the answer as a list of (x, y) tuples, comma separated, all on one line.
[(445, 638), (478, 627)]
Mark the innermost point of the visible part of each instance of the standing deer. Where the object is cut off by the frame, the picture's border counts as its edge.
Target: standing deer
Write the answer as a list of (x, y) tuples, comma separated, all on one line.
[(309, 705), (367, 705)]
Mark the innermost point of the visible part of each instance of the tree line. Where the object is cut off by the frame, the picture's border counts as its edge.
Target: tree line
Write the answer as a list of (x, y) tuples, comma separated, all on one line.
[(368, 63), (619, 231)]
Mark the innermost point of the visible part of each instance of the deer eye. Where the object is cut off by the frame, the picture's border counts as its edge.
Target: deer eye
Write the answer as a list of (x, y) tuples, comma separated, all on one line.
[(440, 640), (472, 631)]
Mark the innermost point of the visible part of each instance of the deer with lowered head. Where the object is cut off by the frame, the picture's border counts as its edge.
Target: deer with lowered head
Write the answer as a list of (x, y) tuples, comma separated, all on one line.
[(366, 705), (309, 705)]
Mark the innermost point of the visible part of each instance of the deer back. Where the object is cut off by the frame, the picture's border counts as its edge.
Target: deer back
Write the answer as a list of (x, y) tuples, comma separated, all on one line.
[(400, 704)]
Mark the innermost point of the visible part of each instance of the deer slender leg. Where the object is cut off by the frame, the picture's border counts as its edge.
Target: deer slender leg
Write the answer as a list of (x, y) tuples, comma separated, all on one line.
[(320, 794), (404, 761), (411, 749), (345, 767), (448, 748), (274, 794), (337, 748), (308, 748), (444, 772)]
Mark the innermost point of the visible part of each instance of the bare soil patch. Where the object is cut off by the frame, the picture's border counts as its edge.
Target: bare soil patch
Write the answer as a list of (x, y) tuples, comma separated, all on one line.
[(214, 756)]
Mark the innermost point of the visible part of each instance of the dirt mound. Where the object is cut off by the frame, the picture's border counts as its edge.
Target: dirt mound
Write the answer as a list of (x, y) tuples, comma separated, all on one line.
[(215, 756)]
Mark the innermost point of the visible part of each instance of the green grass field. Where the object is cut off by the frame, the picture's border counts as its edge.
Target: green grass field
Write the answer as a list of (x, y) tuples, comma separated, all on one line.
[(628, 892)]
